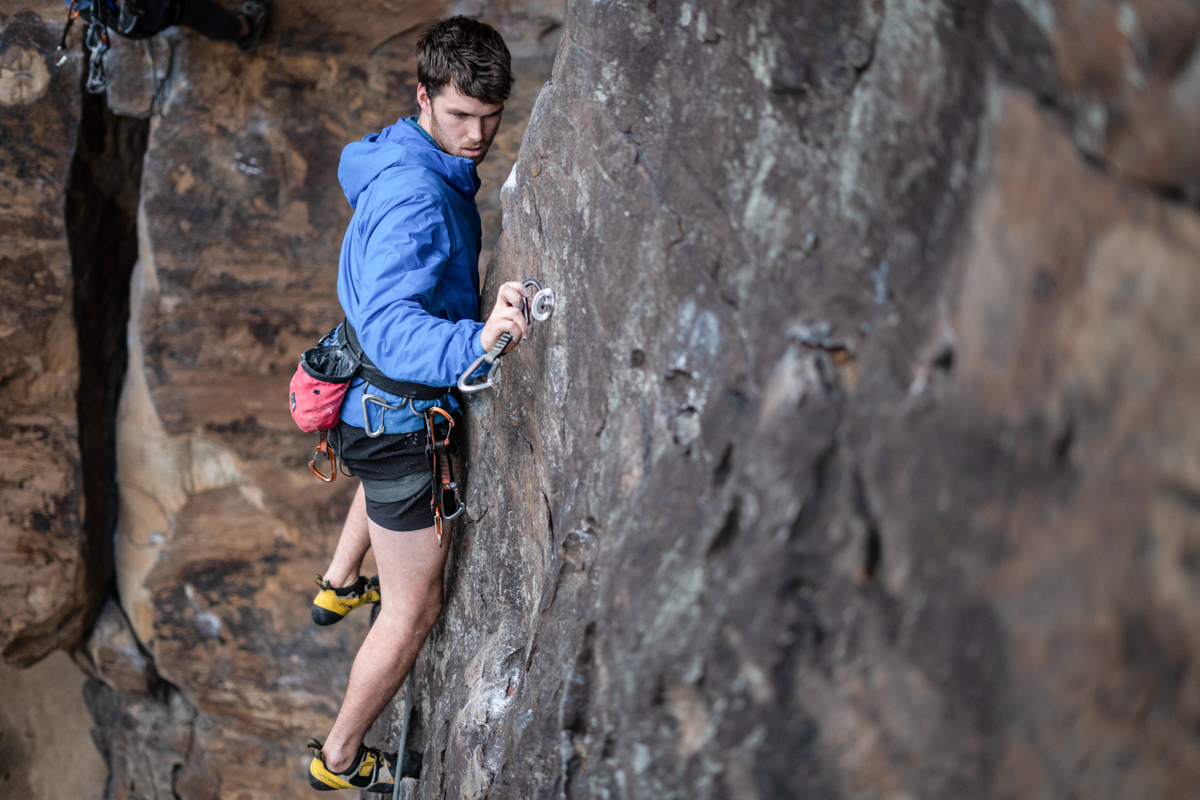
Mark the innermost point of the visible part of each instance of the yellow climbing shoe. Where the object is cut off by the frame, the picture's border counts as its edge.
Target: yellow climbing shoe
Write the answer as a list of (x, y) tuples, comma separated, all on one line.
[(371, 771), (332, 604)]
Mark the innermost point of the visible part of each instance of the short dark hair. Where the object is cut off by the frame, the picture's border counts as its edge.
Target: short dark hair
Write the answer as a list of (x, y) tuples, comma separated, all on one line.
[(468, 53)]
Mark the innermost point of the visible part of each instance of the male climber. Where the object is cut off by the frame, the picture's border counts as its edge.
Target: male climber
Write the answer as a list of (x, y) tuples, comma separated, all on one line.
[(408, 282)]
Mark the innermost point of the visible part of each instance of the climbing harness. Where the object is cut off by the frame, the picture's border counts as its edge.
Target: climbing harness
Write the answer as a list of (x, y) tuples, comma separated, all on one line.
[(318, 389), (444, 485), (539, 308), (325, 372)]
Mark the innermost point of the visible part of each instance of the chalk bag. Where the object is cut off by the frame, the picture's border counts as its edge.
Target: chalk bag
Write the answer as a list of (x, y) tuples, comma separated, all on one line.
[(319, 386)]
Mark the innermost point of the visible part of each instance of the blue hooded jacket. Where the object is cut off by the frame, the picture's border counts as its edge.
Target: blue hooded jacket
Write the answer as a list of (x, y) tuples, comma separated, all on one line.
[(408, 276)]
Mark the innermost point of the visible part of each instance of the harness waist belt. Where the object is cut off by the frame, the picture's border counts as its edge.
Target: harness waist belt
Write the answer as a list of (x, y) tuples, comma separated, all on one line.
[(373, 375)]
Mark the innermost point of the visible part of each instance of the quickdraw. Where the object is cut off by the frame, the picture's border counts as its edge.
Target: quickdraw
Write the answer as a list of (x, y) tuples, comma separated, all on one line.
[(539, 308), (98, 45), (444, 486)]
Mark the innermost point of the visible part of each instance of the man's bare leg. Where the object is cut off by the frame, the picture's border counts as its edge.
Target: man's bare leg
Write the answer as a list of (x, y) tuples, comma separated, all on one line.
[(410, 577), (352, 544)]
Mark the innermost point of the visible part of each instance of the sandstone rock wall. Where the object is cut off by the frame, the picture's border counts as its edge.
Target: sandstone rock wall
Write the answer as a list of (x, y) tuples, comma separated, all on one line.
[(42, 543), (859, 457)]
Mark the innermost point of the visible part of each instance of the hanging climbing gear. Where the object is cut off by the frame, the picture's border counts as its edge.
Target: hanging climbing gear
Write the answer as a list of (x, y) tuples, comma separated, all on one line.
[(376, 400), (102, 15), (120, 15), (97, 45), (326, 452), (127, 17), (72, 13), (539, 308), (444, 485)]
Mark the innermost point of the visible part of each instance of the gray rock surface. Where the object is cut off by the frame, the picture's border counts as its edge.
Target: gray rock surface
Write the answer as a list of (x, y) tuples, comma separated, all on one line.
[(857, 460)]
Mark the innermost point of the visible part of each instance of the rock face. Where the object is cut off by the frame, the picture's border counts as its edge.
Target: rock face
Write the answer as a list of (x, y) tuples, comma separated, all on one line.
[(45, 733), (858, 459), (42, 543)]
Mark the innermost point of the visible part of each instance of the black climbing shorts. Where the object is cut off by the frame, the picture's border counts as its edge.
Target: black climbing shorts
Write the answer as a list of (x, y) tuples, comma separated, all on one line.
[(395, 475)]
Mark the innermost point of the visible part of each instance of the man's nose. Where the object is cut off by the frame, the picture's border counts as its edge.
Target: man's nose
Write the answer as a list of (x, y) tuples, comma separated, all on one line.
[(475, 129)]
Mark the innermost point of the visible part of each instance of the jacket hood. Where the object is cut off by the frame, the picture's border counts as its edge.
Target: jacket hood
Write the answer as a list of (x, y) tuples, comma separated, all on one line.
[(401, 145)]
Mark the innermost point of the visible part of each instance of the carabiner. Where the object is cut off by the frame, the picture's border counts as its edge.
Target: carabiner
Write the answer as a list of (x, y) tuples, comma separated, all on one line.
[(379, 401), (429, 420), (323, 449), (490, 358), (538, 306), (453, 487)]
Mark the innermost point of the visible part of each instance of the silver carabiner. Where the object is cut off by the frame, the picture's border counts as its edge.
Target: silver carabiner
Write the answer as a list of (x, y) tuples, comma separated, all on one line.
[(385, 405), (461, 506), (491, 358)]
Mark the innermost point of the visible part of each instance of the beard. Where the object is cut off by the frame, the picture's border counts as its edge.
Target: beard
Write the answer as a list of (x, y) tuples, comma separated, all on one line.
[(443, 141)]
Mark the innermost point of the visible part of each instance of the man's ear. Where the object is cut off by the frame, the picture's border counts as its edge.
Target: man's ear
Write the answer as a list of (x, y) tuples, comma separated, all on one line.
[(423, 98)]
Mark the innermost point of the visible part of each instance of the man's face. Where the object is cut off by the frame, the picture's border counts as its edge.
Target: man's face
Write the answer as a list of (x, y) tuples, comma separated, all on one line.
[(461, 125)]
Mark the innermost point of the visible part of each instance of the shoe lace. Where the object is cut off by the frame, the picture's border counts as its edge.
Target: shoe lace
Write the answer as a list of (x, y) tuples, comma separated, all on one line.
[(381, 770)]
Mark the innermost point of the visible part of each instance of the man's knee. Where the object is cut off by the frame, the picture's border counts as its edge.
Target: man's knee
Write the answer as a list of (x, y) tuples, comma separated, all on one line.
[(430, 609), (419, 613)]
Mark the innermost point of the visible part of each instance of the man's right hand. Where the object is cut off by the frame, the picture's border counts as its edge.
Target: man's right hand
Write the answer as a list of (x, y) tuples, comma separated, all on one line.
[(506, 317)]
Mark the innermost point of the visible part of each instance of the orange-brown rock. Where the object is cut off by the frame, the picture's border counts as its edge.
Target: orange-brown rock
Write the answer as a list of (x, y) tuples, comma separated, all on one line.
[(1129, 75), (43, 590)]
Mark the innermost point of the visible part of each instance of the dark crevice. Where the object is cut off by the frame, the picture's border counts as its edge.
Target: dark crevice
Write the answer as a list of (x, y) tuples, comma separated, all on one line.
[(724, 466), (729, 529), (823, 479), (102, 196), (873, 544)]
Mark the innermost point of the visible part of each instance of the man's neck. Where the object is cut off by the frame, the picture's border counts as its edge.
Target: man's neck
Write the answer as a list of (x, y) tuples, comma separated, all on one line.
[(424, 121)]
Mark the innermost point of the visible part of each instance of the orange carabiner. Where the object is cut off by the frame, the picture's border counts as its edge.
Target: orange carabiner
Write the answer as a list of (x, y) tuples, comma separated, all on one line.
[(323, 449), (439, 410)]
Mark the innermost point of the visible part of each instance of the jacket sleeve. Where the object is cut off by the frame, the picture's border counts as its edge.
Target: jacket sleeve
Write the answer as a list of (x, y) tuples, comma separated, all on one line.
[(405, 256)]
